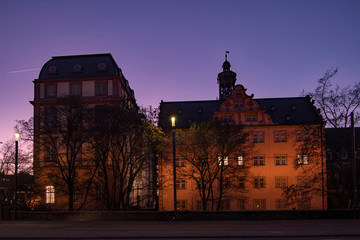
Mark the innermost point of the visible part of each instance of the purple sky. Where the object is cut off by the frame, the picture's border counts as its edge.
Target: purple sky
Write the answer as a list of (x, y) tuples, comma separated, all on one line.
[(173, 50)]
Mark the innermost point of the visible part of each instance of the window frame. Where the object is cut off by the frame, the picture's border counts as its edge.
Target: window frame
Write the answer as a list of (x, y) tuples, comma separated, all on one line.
[(280, 159), (48, 92), (49, 194), (259, 160), (280, 136), (101, 92), (71, 87), (258, 137), (281, 182)]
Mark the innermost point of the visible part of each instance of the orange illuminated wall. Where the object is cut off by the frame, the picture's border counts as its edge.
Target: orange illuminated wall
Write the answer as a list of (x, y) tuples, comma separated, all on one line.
[(275, 163)]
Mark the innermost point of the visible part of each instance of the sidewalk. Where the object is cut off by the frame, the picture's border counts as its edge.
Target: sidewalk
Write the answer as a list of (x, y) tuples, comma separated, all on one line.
[(195, 229)]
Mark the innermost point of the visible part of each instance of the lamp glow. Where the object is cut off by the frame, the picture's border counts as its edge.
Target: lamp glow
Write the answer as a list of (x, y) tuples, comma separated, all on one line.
[(17, 136), (173, 121)]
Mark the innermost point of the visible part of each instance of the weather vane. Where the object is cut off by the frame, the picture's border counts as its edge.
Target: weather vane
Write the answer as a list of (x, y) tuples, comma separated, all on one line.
[(226, 55)]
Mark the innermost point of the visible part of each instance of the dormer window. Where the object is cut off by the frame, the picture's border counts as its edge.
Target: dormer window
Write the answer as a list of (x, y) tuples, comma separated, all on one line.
[(199, 110), (251, 118), (52, 69), (77, 68), (272, 108), (101, 67), (293, 107), (180, 111)]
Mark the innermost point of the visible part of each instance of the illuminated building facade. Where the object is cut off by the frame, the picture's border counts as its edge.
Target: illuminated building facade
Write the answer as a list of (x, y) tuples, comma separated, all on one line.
[(284, 173), (89, 81)]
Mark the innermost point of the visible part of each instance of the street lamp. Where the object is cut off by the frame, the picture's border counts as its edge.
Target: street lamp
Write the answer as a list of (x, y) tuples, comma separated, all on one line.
[(174, 162), (17, 137)]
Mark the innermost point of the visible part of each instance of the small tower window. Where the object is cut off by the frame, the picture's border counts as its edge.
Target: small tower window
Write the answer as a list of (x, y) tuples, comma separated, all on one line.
[(293, 107)]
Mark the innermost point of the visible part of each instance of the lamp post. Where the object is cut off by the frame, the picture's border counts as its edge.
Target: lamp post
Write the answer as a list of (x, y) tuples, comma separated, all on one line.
[(174, 162), (17, 137)]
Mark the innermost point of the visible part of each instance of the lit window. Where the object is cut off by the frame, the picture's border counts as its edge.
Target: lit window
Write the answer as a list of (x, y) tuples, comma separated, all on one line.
[(225, 161), (50, 90), (258, 137), (75, 89), (281, 182), (101, 88), (302, 160), (280, 160), (50, 194), (240, 160), (258, 160), (280, 136)]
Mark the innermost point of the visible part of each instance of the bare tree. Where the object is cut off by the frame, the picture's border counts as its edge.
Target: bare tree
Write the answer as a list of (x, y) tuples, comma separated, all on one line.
[(59, 137), (310, 166), (125, 144), (336, 103), (207, 148), (7, 163)]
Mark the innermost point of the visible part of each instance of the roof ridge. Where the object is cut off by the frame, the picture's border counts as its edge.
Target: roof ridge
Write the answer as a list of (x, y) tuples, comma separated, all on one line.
[(83, 55)]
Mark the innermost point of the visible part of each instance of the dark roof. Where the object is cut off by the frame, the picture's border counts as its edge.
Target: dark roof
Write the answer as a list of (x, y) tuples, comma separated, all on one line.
[(89, 67), (290, 111), (283, 111), (187, 112), (64, 66)]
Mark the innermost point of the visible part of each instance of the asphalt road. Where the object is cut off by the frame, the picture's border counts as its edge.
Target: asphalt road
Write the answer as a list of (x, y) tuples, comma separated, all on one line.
[(275, 229)]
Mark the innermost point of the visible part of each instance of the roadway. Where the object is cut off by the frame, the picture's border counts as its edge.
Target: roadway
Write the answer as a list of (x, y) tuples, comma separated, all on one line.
[(272, 229)]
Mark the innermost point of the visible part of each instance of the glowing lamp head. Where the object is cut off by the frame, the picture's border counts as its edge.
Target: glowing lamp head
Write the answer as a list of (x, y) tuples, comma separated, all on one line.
[(173, 121), (17, 136)]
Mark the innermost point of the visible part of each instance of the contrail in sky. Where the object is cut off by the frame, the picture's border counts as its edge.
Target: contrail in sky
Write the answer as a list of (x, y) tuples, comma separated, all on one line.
[(25, 70)]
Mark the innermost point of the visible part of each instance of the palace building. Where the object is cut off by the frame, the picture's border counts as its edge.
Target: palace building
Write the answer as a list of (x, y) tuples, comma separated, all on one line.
[(64, 169), (282, 166)]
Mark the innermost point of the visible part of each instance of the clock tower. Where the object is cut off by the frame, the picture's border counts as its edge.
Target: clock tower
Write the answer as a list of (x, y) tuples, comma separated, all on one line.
[(226, 79)]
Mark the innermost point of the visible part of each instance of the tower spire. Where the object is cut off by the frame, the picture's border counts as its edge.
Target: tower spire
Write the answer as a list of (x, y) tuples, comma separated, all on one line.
[(226, 79)]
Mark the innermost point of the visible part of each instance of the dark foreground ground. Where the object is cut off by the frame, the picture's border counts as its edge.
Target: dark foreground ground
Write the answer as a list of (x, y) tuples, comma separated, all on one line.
[(269, 229)]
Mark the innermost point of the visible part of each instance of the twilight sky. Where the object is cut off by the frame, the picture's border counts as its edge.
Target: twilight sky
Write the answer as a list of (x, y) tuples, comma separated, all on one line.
[(172, 50)]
